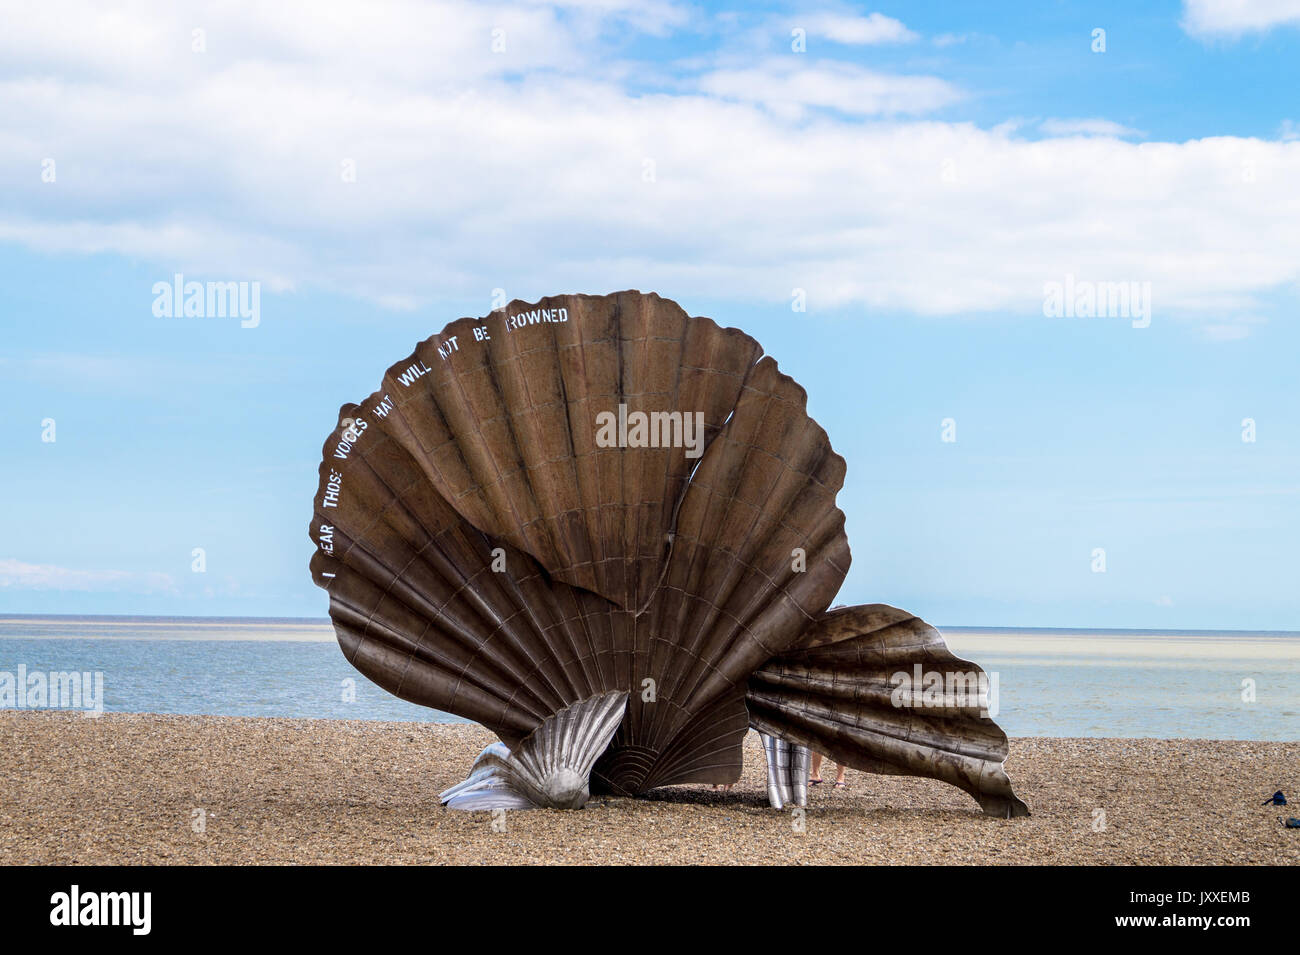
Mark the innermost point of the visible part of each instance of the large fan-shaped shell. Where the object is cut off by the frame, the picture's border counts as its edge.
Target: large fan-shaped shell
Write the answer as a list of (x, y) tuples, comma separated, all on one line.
[(486, 555), (876, 688)]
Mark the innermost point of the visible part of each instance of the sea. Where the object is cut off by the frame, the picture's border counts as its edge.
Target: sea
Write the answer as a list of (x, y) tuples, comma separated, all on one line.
[(1047, 682)]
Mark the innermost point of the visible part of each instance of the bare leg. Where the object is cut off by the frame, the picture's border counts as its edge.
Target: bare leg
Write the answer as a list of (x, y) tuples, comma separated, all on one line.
[(816, 775), (840, 769)]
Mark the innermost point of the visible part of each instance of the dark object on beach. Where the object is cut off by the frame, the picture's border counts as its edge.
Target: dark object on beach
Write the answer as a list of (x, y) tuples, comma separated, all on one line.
[(591, 499), (1277, 799), (1292, 823)]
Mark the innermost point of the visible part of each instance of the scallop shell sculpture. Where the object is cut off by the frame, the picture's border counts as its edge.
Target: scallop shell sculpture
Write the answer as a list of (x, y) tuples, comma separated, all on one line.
[(607, 531)]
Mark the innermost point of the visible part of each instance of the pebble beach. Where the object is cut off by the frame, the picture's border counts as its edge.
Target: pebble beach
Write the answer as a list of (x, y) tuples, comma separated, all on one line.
[(171, 790)]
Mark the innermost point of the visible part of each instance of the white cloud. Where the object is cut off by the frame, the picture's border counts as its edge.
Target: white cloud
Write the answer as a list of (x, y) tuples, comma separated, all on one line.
[(790, 83), (1086, 127), (1235, 17), (855, 30), (16, 575), (528, 170)]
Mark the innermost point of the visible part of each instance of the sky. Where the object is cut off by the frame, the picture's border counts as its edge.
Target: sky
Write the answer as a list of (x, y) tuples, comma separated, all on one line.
[(887, 197)]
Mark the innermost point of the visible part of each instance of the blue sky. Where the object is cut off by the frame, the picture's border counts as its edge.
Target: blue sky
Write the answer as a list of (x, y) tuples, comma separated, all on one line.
[(922, 172)]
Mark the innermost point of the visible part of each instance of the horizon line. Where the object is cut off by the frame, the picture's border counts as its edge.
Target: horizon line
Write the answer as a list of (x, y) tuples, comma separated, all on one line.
[(323, 621)]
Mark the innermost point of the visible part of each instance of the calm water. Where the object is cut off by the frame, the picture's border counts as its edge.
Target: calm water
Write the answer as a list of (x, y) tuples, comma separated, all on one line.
[(227, 667), (1050, 683)]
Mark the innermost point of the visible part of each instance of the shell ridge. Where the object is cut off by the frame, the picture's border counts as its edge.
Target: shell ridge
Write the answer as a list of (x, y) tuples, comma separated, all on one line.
[(451, 418), (844, 711), (717, 450), (701, 746), (465, 590), (525, 433), (559, 694), (909, 734), (634, 356), (716, 336), (550, 598), (550, 767), (469, 595), (480, 704), (588, 476), (400, 591), (746, 562), (566, 404), (531, 632), (397, 426), (495, 490), (625, 656), (734, 566)]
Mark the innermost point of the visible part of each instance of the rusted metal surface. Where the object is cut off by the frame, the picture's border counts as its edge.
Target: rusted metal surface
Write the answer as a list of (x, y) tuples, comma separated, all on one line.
[(876, 688), (501, 537)]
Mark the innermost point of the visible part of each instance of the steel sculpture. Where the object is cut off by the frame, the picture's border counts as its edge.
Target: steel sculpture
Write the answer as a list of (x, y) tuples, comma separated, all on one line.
[(607, 531)]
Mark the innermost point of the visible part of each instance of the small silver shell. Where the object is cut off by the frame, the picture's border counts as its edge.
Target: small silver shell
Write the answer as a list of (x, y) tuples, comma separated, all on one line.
[(551, 768)]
